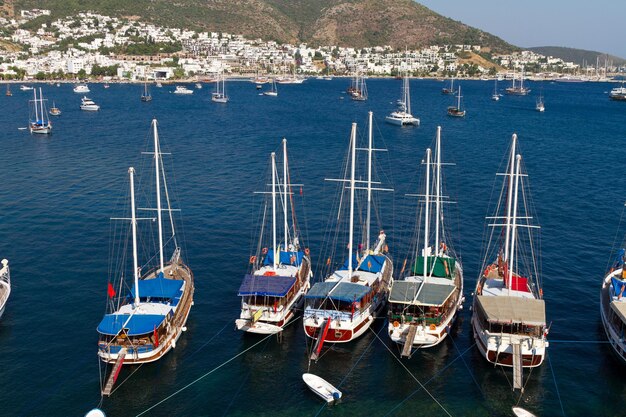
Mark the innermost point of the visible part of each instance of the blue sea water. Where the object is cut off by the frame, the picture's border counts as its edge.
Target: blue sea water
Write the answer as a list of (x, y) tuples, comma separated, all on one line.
[(57, 194)]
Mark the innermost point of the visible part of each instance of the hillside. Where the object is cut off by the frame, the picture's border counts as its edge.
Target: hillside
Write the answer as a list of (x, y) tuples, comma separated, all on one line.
[(357, 23), (576, 55)]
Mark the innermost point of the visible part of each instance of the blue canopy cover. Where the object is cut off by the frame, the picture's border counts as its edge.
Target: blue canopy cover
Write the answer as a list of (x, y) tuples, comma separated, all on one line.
[(371, 263), (344, 291), (618, 286), (158, 287), (138, 324), (270, 285), (285, 258)]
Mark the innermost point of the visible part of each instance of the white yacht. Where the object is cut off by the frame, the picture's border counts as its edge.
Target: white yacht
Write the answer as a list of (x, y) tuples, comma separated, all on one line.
[(181, 89), (88, 104), (81, 88)]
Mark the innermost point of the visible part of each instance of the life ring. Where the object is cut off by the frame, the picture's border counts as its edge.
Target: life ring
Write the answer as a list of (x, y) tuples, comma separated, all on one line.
[(252, 259), (307, 251), (396, 323), (433, 327), (264, 251)]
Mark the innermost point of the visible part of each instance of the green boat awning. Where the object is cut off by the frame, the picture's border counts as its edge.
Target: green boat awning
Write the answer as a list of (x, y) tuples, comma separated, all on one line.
[(443, 266), (432, 293)]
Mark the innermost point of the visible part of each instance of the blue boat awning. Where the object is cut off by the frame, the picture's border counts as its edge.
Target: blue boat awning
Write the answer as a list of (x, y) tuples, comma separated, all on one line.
[(136, 325), (270, 285), (285, 258), (158, 287), (371, 263), (343, 291)]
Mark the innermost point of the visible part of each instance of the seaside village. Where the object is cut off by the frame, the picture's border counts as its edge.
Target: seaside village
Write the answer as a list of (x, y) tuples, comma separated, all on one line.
[(72, 47)]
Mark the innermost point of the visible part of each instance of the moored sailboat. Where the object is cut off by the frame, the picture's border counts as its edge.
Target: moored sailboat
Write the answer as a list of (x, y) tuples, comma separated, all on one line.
[(455, 111), (518, 90), (402, 116), (424, 304), (143, 324), (146, 96), (274, 91), (509, 318), (613, 305), (281, 274), (346, 303), (219, 95), (54, 110), (495, 96), (449, 90), (39, 120), (359, 92)]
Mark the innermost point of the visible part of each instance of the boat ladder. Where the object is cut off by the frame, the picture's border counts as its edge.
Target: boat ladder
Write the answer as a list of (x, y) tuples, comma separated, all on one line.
[(317, 347), (518, 370), (114, 372), (408, 341)]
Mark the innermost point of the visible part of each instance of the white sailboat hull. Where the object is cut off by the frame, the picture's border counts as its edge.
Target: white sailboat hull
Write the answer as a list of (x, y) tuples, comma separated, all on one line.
[(497, 348), (613, 332), (270, 322), (402, 120)]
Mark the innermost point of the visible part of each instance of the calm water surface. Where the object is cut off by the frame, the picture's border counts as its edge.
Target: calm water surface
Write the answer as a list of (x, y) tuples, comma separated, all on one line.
[(58, 193)]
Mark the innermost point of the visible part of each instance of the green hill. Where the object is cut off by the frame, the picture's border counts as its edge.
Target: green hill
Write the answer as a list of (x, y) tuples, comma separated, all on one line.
[(357, 23), (577, 56)]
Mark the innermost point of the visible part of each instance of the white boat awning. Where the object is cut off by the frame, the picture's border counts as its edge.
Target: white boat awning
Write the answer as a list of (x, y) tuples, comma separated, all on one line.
[(504, 309), (619, 308)]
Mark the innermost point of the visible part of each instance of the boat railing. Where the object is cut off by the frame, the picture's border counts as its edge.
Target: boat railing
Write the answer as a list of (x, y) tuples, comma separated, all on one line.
[(331, 314)]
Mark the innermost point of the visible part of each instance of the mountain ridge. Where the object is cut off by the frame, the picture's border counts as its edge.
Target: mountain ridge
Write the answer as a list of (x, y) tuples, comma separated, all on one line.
[(356, 23), (575, 55)]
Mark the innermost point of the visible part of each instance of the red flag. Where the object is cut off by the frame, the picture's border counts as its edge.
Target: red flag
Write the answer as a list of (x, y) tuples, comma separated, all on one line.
[(110, 291), (156, 337)]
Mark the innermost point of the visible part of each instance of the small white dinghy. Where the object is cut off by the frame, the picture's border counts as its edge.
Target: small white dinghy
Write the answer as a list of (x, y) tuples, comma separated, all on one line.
[(520, 412), (322, 387), (96, 412)]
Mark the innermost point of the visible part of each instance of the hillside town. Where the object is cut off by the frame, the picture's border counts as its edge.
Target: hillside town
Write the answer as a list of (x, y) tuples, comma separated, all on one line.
[(97, 46)]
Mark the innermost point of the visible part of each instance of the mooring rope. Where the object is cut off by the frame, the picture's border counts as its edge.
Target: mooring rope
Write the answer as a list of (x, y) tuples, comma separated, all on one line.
[(422, 386), (211, 371), (431, 379), (558, 394), (351, 369)]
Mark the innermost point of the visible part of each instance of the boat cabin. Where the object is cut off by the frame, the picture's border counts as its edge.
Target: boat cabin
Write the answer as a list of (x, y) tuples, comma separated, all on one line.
[(511, 315)]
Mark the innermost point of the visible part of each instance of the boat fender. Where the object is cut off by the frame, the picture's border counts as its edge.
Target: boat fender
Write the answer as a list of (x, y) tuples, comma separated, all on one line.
[(173, 344), (396, 323), (307, 252), (433, 327)]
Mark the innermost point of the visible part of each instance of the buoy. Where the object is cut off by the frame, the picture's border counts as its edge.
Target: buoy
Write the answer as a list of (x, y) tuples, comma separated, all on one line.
[(96, 412)]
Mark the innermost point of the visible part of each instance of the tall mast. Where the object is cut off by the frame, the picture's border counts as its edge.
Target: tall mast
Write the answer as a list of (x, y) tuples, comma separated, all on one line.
[(286, 226), (41, 106), (458, 105), (369, 183), (35, 101), (407, 94), (352, 185), (514, 226), (157, 173), (274, 248), (438, 187), (427, 213), (509, 200), (133, 222)]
